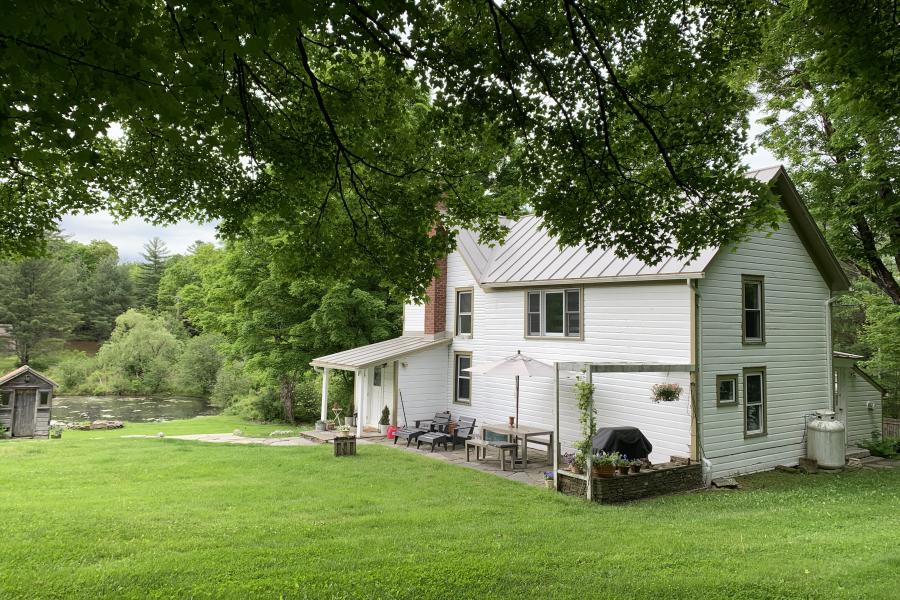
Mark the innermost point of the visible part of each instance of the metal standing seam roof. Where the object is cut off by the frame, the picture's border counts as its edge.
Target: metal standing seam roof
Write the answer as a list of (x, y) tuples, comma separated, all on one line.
[(378, 353), (530, 255)]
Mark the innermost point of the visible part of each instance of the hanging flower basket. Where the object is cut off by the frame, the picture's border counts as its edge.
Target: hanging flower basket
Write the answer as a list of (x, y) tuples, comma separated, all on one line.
[(666, 392)]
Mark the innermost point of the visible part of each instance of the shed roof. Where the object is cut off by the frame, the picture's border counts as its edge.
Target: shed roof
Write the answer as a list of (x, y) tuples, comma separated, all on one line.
[(530, 255), (23, 369), (378, 353)]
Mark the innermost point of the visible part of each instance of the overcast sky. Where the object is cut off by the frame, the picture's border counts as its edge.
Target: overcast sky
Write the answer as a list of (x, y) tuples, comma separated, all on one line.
[(130, 236)]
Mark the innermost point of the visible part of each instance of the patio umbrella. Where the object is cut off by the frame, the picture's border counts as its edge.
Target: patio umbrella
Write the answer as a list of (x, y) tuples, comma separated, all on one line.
[(517, 365)]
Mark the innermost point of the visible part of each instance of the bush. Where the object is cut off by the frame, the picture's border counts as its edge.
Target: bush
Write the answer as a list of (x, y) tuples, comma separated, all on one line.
[(232, 383), (263, 405), (879, 446), (139, 354), (198, 365), (73, 372), (308, 397)]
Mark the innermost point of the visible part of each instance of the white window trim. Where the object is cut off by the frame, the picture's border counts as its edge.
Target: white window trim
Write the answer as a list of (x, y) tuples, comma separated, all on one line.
[(543, 335), (470, 314), (763, 420), (457, 375)]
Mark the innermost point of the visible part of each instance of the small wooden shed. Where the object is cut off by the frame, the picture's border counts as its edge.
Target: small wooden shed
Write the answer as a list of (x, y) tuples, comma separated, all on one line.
[(26, 400)]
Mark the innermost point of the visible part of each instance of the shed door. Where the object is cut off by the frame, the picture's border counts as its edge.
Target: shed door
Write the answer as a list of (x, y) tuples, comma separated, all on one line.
[(23, 413)]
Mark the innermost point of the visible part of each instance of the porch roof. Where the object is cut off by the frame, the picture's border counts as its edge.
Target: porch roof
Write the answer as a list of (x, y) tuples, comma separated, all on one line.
[(378, 353)]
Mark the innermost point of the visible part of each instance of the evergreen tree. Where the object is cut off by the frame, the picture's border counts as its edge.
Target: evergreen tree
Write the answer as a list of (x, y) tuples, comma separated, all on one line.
[(36, 299), (155, 256)]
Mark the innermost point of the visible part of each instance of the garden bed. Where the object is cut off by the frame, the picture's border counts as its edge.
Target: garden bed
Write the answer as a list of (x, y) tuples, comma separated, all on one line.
[(667, 478)]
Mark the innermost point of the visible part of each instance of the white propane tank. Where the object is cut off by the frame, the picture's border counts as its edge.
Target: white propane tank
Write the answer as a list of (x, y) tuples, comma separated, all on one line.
[(826, 440)]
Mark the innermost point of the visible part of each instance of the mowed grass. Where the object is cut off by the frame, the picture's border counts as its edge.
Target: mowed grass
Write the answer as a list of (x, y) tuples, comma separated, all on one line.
[(94, 515)]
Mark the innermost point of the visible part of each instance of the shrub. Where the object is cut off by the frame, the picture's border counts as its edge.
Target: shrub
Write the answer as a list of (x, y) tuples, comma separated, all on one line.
[(263, 405), (198, 365), (232, 383), (880, 446)]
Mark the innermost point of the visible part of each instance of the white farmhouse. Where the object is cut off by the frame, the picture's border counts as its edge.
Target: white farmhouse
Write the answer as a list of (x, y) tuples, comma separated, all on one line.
[(744, 330)]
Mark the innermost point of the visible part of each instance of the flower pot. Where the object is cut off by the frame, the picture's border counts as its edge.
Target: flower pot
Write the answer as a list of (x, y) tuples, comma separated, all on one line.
[(603, 470), (548, 483), (636, 468), (623, 469), (382, 429), (576, 468)]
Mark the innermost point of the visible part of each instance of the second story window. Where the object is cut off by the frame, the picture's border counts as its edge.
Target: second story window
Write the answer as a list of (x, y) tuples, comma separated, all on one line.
[(753, 320), (553, 313), (464, 301)]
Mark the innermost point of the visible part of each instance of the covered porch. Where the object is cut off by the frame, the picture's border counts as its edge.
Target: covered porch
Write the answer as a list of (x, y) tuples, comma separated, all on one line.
[(377, 378)]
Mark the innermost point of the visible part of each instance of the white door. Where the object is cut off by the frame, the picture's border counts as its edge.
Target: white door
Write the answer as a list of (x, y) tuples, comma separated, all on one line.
[(840, 398), (379, 378)]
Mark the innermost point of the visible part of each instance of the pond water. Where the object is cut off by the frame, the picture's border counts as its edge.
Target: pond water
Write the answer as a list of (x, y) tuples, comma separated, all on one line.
[(124, 408)]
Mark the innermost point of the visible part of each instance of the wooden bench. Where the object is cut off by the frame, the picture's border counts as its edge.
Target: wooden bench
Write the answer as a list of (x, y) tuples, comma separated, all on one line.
[(504, 448), (480, 449)]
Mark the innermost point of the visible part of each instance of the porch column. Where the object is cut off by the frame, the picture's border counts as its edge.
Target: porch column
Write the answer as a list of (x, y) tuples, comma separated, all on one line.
[(325, 373), (555, 445), (359, 400), (589, 467)]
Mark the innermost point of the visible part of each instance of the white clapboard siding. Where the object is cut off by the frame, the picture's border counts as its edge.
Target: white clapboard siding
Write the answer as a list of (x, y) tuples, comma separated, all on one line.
[(623, 323), (795, 354), (413, 318), (422, 384), (861, 419)]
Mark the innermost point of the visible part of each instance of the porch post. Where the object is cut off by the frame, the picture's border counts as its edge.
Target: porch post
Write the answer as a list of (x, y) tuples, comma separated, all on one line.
[(325, 373), (359, 401), (555, 445), (590, 455)]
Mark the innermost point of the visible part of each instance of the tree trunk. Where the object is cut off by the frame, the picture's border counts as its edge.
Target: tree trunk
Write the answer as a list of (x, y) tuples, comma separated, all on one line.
[(286, 391), (875, 269)]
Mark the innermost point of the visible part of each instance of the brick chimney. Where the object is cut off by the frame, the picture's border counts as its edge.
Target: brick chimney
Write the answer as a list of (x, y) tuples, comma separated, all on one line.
[(436, 306)]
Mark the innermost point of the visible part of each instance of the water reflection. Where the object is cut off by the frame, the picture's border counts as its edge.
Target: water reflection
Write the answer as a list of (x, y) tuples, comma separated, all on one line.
[(124, 408)]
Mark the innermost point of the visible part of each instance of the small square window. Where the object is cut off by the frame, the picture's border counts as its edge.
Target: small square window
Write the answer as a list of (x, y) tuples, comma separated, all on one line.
[(5, 398), (463, 388), (376, 377), (44, 398), (726, 389)]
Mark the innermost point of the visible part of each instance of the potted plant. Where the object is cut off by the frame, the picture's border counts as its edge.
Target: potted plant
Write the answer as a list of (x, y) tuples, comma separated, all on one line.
[(548, 480), (56, 432), (636, 465), (573, 464), (342, 430), (385, 420), (666, 392), (623, 465), (604, 464)]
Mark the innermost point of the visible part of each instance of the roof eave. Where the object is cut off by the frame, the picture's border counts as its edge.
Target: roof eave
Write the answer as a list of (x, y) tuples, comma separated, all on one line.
[(593, 280)]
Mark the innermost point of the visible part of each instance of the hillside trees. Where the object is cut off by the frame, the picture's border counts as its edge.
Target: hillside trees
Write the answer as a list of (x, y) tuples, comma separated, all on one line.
[(273, 320)]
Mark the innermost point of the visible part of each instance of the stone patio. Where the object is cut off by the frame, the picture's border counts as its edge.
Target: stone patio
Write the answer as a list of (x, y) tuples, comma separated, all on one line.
[(532, 475)]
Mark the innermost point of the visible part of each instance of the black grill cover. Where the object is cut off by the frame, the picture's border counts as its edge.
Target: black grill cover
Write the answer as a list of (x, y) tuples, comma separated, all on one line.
[(624, 440)]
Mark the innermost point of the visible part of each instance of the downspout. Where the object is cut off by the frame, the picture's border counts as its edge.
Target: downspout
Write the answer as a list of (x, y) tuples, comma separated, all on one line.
[(829, 351)]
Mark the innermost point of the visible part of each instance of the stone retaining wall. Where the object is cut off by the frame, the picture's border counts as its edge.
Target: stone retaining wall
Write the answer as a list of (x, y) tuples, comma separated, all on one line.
[(663, 479)]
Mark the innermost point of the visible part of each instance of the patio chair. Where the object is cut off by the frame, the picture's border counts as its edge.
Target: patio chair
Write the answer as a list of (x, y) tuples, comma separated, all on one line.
[(410, 433), (465, 428)]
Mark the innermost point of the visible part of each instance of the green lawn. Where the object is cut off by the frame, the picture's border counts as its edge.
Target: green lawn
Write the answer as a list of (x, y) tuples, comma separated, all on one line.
[(94, 515)]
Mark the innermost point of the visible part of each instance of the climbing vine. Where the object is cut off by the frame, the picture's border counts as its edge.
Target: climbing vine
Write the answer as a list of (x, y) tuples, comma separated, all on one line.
[(587, 415)]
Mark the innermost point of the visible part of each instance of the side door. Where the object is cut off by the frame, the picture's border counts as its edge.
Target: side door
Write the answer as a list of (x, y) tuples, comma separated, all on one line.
[(23, 413), (840, 398)]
